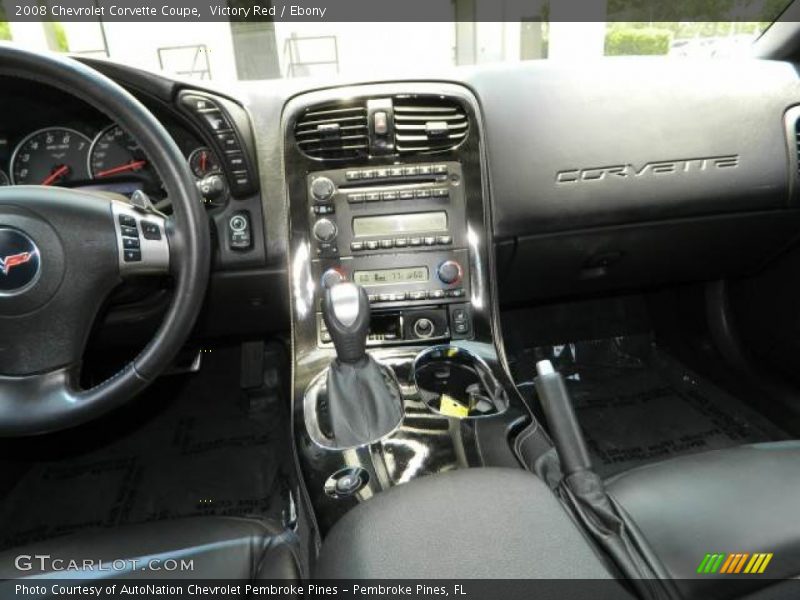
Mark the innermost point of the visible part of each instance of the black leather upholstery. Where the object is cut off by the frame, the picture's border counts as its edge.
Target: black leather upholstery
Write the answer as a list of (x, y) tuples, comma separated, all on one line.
[(219, 547), (469, 523), (740, 500)]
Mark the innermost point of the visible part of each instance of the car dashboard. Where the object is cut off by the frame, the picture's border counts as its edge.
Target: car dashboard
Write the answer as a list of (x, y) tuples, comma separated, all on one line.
[(575, 198)]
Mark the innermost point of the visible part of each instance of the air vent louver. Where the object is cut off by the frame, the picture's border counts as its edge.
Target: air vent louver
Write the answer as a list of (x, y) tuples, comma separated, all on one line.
[(333, 131), (428, 124)]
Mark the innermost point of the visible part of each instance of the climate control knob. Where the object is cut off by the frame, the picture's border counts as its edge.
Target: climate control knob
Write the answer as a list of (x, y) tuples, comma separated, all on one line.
[(331, 277), (325, 230), (322, 189), (449, 272)]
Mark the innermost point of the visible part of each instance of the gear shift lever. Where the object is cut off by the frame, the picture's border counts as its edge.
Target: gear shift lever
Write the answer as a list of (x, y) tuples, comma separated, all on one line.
[(345, 309), (364, 401)]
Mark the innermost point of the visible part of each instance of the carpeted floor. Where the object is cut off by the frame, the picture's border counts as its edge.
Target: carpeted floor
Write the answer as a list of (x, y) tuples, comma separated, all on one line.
[(636, 404), (200, 449)]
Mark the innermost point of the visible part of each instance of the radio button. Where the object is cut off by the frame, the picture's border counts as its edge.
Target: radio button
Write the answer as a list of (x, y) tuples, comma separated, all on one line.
[(371, 244), (387, 243), (389, 195), (449, 272), (415, 241), (429, 241), (401, 242), (400, 296), (382, 173), (440, 193), (372, 197), (352, 175), (406, 194), (444, 240), (425, 170), (368, 174), (456, 293), (410, 171), (420, 295), (437, 294), (322, 189), (440, 169), (422, 193), (325, 230), (385, 297), (396, 172), (356, 246), (372, 297), (355, 198)]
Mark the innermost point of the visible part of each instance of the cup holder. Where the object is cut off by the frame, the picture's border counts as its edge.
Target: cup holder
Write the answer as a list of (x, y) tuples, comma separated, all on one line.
[(456, 383)]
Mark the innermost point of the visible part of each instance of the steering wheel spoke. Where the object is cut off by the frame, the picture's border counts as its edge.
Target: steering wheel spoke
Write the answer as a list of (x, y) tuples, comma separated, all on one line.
[(64, 251), (142, 241)]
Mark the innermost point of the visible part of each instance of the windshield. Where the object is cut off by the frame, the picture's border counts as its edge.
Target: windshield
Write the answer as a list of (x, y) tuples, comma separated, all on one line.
[(249, 49)]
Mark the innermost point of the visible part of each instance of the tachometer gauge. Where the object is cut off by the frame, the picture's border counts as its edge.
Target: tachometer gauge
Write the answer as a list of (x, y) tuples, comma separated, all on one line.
[(4, 180), (203, 162), (114, 153), (52, 156)]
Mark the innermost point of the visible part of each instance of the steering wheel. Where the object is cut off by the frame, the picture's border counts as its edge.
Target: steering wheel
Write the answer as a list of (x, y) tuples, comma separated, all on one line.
[(62, 251)]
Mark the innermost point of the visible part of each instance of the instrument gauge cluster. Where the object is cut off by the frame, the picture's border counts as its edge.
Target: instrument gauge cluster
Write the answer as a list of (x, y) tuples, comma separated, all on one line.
[(110, 160)]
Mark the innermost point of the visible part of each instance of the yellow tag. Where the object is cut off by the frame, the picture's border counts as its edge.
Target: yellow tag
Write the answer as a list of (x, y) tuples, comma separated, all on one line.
[(451, 408)]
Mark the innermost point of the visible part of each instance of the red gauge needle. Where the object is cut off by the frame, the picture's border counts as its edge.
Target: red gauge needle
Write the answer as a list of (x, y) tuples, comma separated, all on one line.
[(203, 161), (131, 166), (50, 179)]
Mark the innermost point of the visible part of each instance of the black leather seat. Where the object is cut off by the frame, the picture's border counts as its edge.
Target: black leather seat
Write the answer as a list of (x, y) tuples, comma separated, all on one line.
[(218, 548), (469, 523), (743, 500)]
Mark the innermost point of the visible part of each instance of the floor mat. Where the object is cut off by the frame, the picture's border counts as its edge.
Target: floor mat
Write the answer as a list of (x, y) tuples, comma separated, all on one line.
[(205, 451), (636, 404)]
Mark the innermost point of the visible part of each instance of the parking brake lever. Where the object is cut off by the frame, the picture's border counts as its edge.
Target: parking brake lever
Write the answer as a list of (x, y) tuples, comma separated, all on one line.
[(561, 417)]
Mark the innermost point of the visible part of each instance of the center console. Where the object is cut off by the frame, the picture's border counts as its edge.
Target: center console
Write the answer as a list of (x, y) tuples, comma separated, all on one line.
[(399, 231), (387, 191)]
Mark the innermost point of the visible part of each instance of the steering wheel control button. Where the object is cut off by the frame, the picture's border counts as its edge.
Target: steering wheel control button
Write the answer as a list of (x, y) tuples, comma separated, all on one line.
[(127, 221), (130, 243), (239, 231), (132, 255), (20, 262), (449, 272), (130, 231), (346, 482), (151, 231)]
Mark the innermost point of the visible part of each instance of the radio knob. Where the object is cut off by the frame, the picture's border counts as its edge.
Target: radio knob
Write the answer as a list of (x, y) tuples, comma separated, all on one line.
[(331, 277), (322, 189), (449, 272), (325, 230)]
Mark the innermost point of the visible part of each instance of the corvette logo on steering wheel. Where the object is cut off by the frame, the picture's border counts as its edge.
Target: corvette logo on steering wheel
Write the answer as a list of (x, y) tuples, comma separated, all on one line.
[(9, 262), (19, 261)]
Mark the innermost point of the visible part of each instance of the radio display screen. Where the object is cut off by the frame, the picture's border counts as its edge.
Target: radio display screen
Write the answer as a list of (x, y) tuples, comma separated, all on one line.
[(399, 224), (391, 276)]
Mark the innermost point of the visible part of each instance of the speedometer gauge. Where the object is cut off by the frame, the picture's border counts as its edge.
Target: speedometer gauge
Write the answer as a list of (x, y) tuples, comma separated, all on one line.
[(114, 153), (52, 156)]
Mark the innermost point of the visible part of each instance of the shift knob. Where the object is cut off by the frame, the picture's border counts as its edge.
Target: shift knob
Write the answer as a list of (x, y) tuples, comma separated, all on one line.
[(345, 308)]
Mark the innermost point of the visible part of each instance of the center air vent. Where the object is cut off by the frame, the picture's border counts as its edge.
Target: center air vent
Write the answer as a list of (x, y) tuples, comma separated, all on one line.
[(334, 131), (427, 124)]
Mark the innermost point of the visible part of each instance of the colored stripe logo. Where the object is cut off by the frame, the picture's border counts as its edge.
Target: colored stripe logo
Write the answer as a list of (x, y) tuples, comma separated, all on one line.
[(735, 563)]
